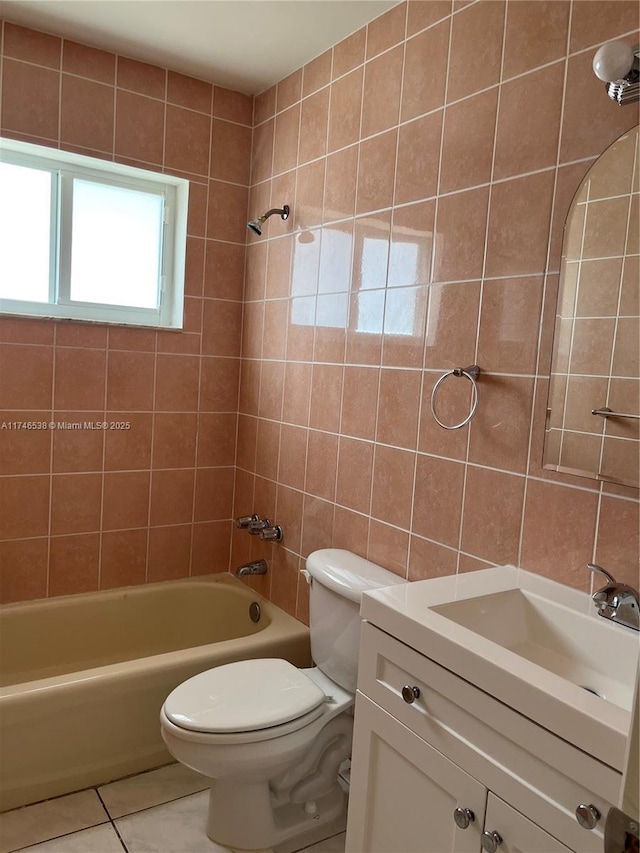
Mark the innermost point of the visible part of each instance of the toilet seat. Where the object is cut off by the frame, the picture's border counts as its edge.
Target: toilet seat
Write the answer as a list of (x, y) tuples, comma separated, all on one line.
[(238, 738), (256, 698)]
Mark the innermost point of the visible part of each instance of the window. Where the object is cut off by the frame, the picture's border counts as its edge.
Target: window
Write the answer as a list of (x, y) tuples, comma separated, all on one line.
[(88, 239)]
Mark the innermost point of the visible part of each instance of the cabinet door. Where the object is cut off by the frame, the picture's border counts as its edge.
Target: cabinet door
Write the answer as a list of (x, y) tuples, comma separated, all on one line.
[(404, 792), (518, 833)]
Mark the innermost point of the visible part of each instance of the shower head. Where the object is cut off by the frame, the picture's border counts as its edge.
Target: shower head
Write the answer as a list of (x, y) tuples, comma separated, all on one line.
[(256, 224)]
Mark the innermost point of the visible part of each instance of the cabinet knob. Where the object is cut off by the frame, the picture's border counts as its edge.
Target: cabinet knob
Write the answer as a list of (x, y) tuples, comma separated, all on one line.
[(463, 817), (490, 841), (410, 694), (587, 816)]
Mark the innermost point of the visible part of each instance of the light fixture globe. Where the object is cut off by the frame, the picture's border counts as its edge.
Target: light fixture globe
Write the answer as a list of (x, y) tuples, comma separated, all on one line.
[(618, 65), (613, 61)]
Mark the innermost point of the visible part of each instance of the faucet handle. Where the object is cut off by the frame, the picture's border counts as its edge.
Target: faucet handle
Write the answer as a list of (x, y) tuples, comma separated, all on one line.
[(617, 601), (595, 568), (245, 521), (257, 524), (272, 534)]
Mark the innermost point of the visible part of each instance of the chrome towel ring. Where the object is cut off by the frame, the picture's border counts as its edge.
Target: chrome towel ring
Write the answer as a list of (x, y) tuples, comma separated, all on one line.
[(471, 373)]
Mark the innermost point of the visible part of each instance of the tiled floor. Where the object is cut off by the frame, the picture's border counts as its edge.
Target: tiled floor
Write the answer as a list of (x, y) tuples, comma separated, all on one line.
[(162, 811)]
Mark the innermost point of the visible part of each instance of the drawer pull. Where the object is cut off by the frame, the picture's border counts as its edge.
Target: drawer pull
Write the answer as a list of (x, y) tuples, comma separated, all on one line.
[(587, 816), (410, 694), (463, 817), (490, 841)]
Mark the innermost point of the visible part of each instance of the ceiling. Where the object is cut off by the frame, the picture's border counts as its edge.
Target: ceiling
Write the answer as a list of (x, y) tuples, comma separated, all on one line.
[(246, 45)]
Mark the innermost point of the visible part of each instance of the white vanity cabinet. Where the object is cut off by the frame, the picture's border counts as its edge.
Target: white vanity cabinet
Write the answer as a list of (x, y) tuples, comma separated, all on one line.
[(449, 745), (399, 783), (404, 792)]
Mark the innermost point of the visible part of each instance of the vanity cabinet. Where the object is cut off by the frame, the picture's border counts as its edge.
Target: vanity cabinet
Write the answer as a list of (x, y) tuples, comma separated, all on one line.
[(442, 745), (407, 782)]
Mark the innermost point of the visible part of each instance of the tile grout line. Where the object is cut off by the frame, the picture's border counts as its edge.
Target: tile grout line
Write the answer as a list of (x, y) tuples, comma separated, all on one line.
[(198, 419), (369, 514), (324, 224), (104, 471), (285, 343), (432, 264), (111, 820)]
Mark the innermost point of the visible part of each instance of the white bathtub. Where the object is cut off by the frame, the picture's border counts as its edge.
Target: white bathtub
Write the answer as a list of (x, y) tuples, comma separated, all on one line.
[(83, 677)]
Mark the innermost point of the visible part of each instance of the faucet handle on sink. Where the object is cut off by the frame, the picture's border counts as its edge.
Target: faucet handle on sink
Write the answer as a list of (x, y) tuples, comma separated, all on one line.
[(595, 568), (616, 601)]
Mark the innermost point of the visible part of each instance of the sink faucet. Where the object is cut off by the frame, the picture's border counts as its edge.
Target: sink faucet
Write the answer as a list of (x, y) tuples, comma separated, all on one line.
[(617, 601), (256, 567)]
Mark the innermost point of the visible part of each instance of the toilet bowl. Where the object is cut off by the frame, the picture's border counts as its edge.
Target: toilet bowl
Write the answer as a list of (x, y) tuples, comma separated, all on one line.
[(254, 802), (270, 737)]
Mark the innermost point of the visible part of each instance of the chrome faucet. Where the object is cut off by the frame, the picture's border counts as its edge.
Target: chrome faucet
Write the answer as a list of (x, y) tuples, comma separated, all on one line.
[(260, 526), (616, 601), (255, 567), (253, 523)]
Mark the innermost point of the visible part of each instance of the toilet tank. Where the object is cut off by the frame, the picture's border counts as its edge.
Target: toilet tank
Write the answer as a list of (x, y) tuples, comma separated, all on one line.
[(338, 578)]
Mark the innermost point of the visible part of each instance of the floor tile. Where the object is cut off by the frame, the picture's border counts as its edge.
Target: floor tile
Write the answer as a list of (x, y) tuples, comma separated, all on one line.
[(329, 845), (98, 839), (177, 827), (42, 821), (150, 789)]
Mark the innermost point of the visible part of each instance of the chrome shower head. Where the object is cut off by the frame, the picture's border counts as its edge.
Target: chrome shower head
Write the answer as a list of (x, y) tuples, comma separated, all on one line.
[(256, 224)]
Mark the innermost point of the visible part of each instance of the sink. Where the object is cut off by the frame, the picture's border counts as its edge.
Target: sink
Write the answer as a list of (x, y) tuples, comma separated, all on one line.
[(532, 643), (554, 637)]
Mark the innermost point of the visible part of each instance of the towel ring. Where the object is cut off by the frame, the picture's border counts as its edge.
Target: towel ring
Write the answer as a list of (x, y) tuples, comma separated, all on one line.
[(471, 373)]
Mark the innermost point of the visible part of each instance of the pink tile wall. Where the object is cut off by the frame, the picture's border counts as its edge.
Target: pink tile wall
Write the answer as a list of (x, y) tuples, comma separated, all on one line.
[(83, 510), (429, 160)]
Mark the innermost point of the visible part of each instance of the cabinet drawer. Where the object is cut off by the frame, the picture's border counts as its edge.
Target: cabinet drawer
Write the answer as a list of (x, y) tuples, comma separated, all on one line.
[(541, 775), (517, 832)]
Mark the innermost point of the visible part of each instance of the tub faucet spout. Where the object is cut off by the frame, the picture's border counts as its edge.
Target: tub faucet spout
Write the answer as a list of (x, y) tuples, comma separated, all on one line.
[(255, 567)]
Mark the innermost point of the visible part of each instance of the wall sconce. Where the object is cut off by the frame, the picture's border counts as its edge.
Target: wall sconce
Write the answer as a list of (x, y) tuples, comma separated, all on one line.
[(618, 65)]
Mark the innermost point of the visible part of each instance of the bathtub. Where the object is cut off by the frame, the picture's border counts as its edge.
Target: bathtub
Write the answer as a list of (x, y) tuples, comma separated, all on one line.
[(84, 676)]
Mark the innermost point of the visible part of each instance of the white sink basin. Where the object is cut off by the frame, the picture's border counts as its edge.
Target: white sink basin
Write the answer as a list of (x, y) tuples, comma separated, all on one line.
[(553, 636), (536, 645)]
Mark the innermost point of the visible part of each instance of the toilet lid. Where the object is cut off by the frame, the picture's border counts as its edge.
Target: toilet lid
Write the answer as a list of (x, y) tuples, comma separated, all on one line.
[(243, 697)]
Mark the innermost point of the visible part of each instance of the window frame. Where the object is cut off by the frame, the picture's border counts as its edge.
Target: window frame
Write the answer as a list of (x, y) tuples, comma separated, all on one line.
[(65, 167)]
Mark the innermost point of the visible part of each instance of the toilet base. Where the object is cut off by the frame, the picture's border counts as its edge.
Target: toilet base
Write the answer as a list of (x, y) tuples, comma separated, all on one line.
[(314, 836), (262, 825)]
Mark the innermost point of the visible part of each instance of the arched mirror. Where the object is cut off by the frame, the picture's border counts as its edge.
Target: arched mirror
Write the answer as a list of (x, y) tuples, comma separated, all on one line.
[(593, 412)]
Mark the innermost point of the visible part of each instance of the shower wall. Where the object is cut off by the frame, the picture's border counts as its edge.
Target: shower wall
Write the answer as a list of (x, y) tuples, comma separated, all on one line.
[(82, 510), (429, 160)]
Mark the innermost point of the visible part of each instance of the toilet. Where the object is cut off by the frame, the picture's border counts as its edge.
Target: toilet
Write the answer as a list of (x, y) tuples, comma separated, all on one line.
[(271, 737)]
